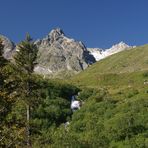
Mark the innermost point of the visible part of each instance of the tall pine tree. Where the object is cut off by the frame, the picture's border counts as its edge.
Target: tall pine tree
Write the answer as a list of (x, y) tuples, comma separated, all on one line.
[(3, 76), (5, 99), (3, 63), (25, 61)]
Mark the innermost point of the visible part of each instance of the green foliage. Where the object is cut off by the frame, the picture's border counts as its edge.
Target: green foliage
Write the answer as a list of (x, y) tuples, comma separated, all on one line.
[(25, 61), (6, 99), (53, 108), (106, 123), (132, 93), (25, 58), (3, 63), (145, 74), (110, 71), (86, 93), (25, 86), (113, 112)]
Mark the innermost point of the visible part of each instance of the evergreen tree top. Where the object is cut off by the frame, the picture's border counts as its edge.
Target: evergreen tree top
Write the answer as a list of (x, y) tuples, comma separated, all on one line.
[(26, 55)]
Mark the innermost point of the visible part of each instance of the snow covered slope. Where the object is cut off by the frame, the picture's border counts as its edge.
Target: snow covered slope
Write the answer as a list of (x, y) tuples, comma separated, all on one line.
[(99, 53)]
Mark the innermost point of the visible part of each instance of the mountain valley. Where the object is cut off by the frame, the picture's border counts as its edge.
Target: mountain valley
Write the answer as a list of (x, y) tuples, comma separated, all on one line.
[(110, 85)]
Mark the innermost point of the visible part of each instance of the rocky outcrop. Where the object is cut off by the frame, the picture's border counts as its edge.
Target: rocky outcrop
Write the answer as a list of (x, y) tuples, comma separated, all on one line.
[(59, 53), (9, 47)]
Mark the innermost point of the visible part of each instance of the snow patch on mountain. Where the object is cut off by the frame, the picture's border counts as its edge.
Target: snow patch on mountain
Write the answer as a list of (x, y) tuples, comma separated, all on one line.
[(99, 53)]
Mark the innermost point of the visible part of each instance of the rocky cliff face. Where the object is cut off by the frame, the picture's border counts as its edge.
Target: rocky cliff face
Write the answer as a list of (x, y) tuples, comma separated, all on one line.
[(9, 47), (58, 53)]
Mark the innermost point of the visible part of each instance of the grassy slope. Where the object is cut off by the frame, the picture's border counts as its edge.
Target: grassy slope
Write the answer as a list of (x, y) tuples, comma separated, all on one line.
[(121, 72), (129, 63), (113, 116)]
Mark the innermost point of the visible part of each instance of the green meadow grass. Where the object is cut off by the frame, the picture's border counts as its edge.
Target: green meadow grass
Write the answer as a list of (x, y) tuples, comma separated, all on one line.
[(121, 73), (129, 63)]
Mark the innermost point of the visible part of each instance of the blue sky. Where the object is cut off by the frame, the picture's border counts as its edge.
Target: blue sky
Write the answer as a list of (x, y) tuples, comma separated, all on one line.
[(97, 23)]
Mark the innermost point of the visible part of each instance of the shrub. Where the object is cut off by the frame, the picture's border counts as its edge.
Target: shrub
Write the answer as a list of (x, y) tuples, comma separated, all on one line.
[(145, 74)]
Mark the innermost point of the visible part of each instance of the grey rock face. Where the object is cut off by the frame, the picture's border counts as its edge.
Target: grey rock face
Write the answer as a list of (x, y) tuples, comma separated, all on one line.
[(59, 53), (9, 47)]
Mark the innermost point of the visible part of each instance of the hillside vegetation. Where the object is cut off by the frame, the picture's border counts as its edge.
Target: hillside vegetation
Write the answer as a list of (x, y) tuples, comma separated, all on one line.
[(114, 115), (35, 112), (124, 68)]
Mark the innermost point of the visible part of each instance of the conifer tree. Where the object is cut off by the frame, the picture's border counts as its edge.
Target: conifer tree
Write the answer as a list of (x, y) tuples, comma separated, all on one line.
[(1, 76), (25, 61), (3, 62), (5, 99)]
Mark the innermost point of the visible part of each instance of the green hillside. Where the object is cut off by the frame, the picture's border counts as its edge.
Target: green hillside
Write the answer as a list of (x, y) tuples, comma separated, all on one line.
[(126, 61), (124, 68), (114, 113), (113, 95)]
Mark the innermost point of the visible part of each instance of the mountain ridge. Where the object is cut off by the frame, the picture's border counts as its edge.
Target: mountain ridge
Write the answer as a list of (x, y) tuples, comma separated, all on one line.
[(62, 54), (100, 53), (59, 54)]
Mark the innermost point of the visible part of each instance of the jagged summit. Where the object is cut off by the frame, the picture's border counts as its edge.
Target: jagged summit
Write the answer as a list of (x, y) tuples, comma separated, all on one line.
[(122, 43), (56, 32), (120, 46), (60, 53)]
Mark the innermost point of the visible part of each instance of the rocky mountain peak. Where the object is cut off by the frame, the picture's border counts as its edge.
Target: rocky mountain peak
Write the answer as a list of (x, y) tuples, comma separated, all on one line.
[(55, 34), (101, 54), (59, 53), (121, 45)]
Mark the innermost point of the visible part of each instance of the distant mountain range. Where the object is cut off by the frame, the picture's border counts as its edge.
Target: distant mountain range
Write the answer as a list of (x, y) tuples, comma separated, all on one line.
[(99, 53), (59, 54)]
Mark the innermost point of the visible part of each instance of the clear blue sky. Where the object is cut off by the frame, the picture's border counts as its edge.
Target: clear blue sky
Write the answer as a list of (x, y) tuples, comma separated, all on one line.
[(97, 23)]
